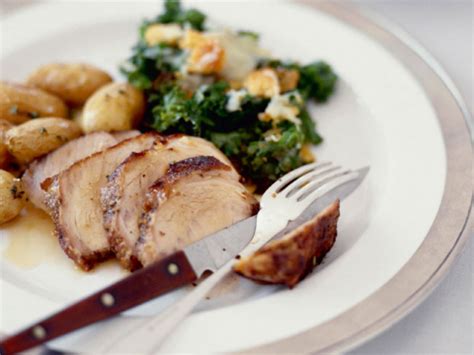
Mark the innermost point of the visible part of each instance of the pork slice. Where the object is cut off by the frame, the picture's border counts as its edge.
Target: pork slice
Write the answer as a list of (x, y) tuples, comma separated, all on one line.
[(61, 159), (124, 195), (195, 198), (123, 135), (73, 197), (291, 258)]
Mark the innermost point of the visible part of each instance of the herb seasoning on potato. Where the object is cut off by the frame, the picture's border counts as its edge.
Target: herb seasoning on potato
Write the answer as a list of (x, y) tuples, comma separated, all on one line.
[(73, 82), (114, 107), (20, 103), (35, 138)]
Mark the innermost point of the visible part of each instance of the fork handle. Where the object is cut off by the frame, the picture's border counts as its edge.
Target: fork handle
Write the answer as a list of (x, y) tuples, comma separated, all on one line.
[(149, 335)]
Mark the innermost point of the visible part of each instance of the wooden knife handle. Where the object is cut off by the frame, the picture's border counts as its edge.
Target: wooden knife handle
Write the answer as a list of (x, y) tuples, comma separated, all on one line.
[(143, 285)]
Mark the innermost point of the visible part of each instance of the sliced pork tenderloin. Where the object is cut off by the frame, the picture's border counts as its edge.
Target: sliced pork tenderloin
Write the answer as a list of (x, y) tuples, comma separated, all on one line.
[(123, 135), (195, 198), (124, 195), (61, 159), (73, 198), (289, 259)]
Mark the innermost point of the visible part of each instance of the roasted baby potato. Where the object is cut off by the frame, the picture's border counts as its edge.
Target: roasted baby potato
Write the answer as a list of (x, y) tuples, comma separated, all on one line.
[(19, 103), (4, 155), (114, 107), (12, 196), (35, 138), (74, 83)]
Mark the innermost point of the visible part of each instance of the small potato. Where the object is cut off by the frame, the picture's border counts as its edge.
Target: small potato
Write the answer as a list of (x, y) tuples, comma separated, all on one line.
[(35, 138), (19, 103), (4, 155), (12, 196), (114, 107), (74, 83)]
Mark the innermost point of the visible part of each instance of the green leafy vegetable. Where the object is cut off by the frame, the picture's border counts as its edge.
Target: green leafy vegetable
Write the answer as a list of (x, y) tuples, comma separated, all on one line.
[(267, 160), (147, 63), (175, 111), (261, 149), (239, 134), (175, 14), (260, 159), (308, 127), (172, 112), (317, 80)]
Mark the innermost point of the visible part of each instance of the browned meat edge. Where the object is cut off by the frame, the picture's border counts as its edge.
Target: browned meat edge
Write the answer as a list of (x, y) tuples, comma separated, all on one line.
[(290, 259), (175, 172), (110, 202), (182, 169), (112, 194), (53, 202)]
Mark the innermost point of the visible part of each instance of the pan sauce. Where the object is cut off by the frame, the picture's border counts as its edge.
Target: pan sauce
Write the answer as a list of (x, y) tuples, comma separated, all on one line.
[(30, 239)]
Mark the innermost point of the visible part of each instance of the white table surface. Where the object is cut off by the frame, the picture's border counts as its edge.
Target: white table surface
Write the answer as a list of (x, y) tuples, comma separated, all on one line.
[(443, 324)]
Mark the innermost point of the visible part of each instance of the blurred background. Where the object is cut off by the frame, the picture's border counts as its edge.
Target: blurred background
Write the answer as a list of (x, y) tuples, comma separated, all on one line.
[(443, 324)]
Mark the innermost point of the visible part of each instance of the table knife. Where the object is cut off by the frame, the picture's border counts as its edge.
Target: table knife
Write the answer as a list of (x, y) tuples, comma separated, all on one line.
[(143, 285)]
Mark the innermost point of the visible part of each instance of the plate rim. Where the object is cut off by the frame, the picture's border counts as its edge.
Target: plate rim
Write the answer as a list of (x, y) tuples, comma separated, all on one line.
[(448, 233)]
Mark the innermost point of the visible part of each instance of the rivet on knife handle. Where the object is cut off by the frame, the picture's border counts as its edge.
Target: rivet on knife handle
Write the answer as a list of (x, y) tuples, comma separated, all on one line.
[(143, 285)]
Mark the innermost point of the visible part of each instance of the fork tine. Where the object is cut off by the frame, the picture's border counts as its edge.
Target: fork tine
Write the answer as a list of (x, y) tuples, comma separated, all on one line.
[(282, 182), (300, 182), (358, 174), (316, 183)]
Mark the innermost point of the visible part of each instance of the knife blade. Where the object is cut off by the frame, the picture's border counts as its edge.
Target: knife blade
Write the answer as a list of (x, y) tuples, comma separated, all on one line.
[(172, 272)]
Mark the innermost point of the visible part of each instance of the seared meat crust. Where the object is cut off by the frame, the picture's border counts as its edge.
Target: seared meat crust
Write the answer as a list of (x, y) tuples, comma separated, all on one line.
[(289, 259), (195, 198), (61, 159), (124, 195), (73, 198)]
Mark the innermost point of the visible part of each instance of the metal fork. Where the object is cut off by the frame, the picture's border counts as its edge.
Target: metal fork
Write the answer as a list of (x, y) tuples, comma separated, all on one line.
[(303, 191)]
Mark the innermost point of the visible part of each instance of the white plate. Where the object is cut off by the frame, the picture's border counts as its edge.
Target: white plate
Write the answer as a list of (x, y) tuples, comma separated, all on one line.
[(381, 115)]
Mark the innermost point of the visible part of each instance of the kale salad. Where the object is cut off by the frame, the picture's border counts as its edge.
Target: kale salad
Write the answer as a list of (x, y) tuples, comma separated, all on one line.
[(220, 85)]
